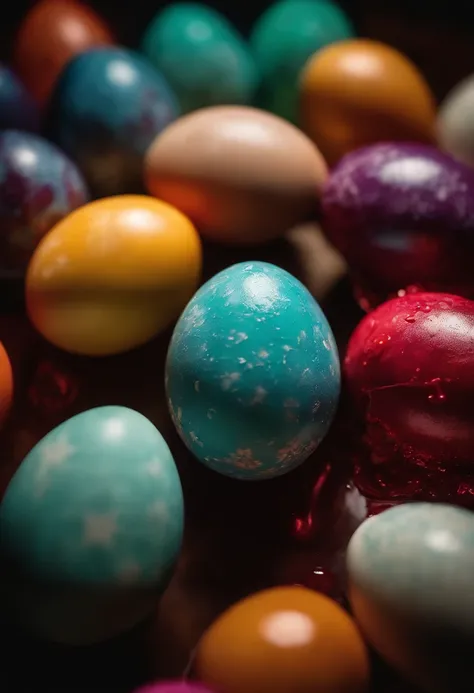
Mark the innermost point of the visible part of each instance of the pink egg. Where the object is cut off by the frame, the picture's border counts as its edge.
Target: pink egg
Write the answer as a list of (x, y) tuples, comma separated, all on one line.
[(179, 686)]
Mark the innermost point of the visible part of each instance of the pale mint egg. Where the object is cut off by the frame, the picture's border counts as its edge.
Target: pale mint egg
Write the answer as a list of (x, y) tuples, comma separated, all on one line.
[(91, 526), (253, 372), (410, 577)]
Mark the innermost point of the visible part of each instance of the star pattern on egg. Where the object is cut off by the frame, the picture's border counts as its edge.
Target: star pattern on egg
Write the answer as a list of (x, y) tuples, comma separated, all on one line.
[(99, 529)]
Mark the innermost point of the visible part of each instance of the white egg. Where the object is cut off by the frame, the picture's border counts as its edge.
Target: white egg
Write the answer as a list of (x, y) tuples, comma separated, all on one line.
[(456, 121)]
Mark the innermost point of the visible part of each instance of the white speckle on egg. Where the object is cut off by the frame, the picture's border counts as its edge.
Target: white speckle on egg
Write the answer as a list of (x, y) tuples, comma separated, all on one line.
[(55, 452), (129, 573), (287, 347), (241, 337), (195, 438), (159, 511), (241, 360), (260, 394), (263, 354), (326, 345), (210, 413), (196, 385), (154, 468), (99, 530), (228, 379)]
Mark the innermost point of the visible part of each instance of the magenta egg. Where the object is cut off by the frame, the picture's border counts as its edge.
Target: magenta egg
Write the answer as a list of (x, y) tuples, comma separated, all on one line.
[(179, 686), (403, 217), (410, 369)]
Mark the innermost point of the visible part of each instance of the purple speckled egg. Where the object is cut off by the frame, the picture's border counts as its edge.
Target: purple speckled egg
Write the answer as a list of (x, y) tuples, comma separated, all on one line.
[(17, 108), (403, 217), (39, 186), (180, 686)]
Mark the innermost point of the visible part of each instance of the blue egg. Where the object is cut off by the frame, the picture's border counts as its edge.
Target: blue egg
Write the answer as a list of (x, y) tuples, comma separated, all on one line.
[(107, 108), (18, 111), (91, 525), (252, 373), (39, 186)]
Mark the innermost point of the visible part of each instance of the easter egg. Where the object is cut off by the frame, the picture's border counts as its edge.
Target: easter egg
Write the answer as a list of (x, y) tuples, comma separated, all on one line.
[(91, 526), (252, 372), (410, 586), (282, 40), (223, 70), (17, 108), (357, 92), (283, 639), (409, 367), (112, 275), (240, 174), (456, 121), (39, 186), (6, 384), (403, 216), (179, 686), (107, 108), (52, 32)]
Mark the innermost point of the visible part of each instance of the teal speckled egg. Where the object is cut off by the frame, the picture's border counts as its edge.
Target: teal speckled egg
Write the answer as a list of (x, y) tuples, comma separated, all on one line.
[(410, 573), (252, 372), (201, 55), (282, 40), (91, 526)]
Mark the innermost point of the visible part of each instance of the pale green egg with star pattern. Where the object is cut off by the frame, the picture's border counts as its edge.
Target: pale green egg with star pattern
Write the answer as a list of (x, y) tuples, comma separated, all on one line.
[(91, 527)]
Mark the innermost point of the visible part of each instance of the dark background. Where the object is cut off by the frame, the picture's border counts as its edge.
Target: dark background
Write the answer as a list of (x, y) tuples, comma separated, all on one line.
[(437, 34)]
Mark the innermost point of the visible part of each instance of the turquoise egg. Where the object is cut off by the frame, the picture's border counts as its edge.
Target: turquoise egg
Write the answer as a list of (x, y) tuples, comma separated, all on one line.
[(202, 56), (91, 526), (283, 39), (410, 572), (252, 372)]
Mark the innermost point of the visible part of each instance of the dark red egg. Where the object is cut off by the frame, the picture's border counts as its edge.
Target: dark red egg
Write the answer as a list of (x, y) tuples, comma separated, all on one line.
[(410, 369), (52, 33), (403, 217)]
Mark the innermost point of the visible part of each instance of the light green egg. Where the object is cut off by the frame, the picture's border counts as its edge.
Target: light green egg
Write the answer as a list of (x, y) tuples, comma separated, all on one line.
[(283, 39), (91, 527), (202, 56)]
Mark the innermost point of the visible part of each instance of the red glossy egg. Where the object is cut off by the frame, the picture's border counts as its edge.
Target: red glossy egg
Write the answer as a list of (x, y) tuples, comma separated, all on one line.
[(410, 369), (50, 35)]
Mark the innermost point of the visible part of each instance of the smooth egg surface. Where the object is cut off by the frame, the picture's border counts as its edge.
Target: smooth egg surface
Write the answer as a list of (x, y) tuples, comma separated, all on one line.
[(91, 526), (284, 640), (242, 175), (113, 274), (252, 372), (17, 108), (410, 585), (223, 69), (456, 121)]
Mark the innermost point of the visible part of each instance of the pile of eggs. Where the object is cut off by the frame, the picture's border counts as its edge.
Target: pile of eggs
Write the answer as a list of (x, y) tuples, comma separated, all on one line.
[(119, 169)]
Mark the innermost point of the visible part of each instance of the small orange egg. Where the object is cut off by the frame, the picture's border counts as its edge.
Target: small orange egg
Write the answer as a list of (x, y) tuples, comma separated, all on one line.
[(284, 640), (357, 92), (113, 274), (6, 384)]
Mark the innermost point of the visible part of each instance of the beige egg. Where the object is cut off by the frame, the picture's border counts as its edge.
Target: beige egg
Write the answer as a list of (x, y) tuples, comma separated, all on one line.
[(242, 175)]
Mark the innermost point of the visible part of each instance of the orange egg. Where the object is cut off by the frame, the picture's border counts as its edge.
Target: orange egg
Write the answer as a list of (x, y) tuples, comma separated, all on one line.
[(113, 274), (6, 384), (357, 92), (284, 640), (52, 32)]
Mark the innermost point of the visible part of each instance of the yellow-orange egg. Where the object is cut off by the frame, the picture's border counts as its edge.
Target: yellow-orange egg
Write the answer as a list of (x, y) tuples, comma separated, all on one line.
[(284, 640), (357, 92), (113, 274)]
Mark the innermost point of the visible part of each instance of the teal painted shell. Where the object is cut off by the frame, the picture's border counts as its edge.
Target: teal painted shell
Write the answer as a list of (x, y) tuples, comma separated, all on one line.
[(96, 508), (252, 372)]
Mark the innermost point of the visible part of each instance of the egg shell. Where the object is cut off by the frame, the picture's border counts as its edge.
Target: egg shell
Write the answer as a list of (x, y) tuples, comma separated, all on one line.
[(51, 33), (252, 372), (283, 639), (108, 106), (409, 368), (113, 274), (39, 186), (17, 108), (282, 40), (6, 385), (242, 175), (455, 125), (179, 686), (357, 92), (410, 586), (91, 526), (402, 214), (223, 69)]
